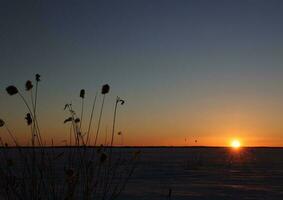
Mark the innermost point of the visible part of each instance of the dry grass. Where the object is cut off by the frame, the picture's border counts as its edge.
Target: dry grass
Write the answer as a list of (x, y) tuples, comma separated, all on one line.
[(79, 171)]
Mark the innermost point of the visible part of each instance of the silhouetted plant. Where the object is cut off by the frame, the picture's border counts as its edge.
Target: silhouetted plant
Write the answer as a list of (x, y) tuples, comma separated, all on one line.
[(12, 90), (89, 173), (37, 80), (77, 120), (74, 123), (37, 77), (82, 95), (90, 120), (105, 89), (29, 85), (121, 102), (2, 123), (28, 119), (68, 120)]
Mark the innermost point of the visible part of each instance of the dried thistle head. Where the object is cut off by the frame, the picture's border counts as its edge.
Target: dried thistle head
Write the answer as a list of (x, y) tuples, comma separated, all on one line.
[(12, 90), (29, 85), (68, 120), (2, 123), (82, 94), (119, 100), (67, 105), (37, 77), (28, 119), (105, 89), (77, 120)]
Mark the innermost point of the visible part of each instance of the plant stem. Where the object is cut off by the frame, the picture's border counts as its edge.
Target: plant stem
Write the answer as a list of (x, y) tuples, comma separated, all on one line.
[(82, 112), (99, 121), (35, 128), (31, 113), (90, 120), (11, 135), (114, 121), (35, 118)]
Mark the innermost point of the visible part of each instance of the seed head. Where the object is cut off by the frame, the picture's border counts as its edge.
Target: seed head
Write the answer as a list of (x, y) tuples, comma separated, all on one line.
[(29, 85), (82, 94), (105, 89), (119, 100), (28, 119), (77, 120), (68, 120), (37, 77), (2, 123), (12, 90), (67, 106)]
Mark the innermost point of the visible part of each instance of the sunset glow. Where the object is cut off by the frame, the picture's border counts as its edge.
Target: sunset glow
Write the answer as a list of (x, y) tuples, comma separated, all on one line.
[(186, 69), (236, 144)]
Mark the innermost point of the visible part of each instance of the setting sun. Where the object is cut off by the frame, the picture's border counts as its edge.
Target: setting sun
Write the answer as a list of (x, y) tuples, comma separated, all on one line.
[(235, 144)]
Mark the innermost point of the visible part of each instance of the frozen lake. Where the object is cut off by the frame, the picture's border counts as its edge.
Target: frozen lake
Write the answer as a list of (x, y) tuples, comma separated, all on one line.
[(197, 173), (208, 173)]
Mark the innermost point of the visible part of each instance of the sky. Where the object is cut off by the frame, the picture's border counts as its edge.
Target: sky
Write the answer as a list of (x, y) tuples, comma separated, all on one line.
[(188, 70)]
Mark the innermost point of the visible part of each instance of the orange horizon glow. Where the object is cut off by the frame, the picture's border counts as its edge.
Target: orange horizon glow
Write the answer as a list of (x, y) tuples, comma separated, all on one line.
[(235, 144), (159, 135)]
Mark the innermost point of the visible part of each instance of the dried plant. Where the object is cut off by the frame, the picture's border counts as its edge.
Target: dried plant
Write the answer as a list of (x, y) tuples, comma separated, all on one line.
[(89, 173), (37, 77), (2, 123), (77, 120), (82, 95), (68, 120), (121, 102), (90, 120), (12, 90), (28, 119), (29, 85), (105, 89)]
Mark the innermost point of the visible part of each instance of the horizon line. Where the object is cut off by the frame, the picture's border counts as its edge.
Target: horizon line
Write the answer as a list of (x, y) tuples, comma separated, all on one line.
[(130, 146)]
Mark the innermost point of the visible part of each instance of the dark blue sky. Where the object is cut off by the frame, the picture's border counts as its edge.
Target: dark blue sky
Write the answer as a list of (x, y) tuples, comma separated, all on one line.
[(203, 69)]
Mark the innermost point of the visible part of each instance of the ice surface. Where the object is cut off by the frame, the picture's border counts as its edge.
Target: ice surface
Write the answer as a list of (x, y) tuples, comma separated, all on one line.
[(199, 173)]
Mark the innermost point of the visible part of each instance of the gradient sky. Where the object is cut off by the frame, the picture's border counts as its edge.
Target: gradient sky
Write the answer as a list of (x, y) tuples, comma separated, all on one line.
[(205, 70)]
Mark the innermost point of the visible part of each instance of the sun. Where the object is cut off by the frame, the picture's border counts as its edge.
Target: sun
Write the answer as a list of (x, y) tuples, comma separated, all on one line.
[(235, 144)]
